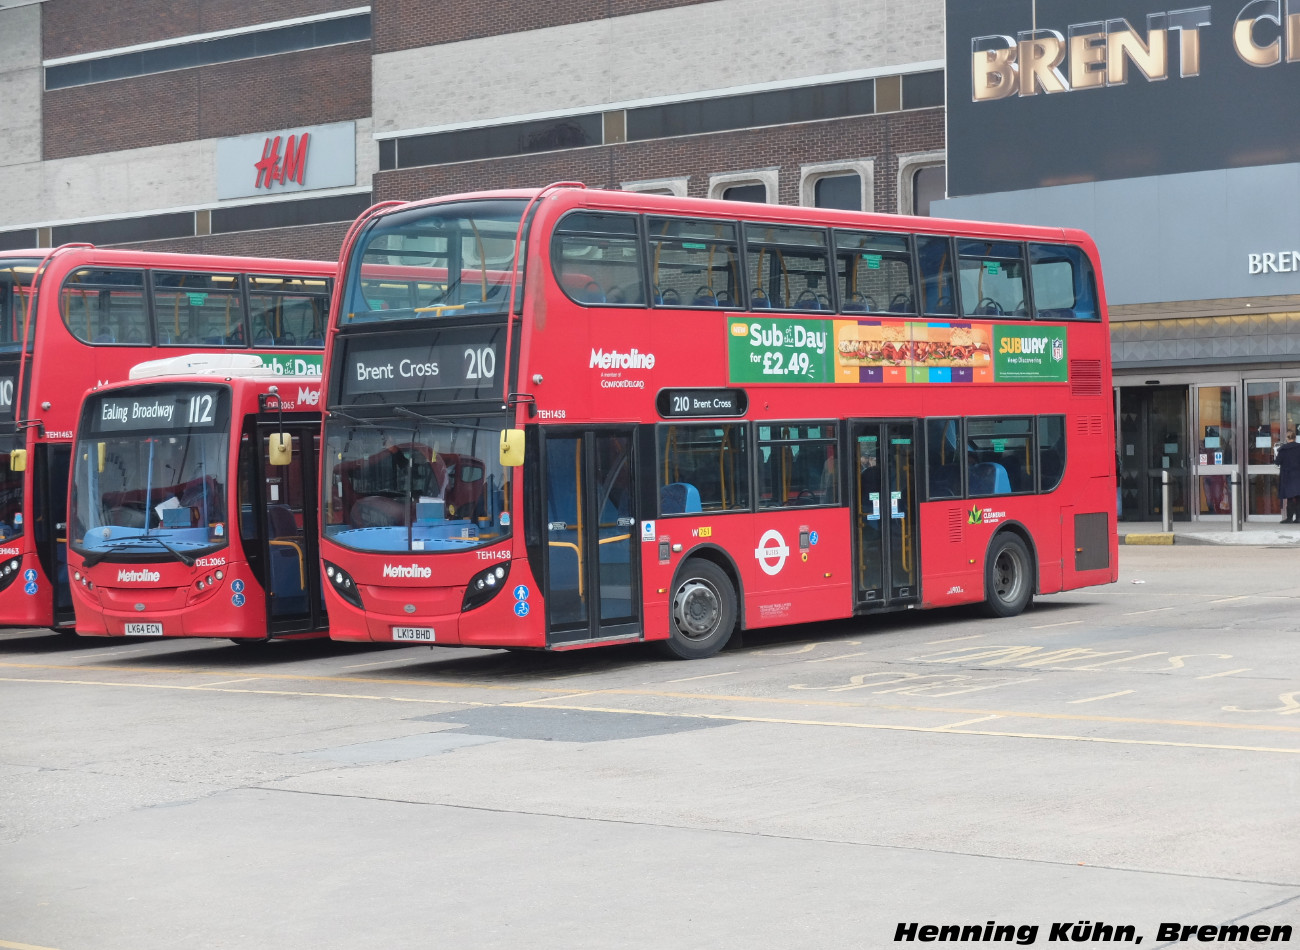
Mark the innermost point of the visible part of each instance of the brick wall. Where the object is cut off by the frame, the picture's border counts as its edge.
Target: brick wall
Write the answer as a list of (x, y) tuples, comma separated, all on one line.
[(407, 24), (71, 27), (319, 242), (311, 87), (879, 137)]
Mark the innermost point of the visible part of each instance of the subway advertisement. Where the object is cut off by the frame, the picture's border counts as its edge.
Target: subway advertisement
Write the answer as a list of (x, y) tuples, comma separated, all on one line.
[(894, 351), (1054, 92)]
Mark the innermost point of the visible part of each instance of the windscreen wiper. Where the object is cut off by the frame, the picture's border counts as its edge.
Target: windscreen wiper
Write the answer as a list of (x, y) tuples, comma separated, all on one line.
[(94, 557), (403, 411)]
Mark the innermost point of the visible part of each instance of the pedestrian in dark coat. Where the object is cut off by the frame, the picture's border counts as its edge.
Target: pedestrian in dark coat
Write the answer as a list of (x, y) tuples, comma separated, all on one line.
[(1288, 482)]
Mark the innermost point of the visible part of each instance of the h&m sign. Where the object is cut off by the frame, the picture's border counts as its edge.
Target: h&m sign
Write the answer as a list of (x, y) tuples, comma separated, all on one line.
[(302, 159)]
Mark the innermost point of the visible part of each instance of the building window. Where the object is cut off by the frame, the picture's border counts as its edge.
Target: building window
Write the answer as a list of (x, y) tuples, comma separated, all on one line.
[(846, 185), (909, 164), (759, 185), (658, 186), (929, 184)]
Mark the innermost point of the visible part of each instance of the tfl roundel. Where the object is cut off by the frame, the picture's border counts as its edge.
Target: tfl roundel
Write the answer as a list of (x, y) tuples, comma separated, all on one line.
[(771, 552)]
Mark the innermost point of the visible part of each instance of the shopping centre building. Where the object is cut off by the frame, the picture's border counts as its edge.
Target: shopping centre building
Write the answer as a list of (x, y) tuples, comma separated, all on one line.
[(265, 126)]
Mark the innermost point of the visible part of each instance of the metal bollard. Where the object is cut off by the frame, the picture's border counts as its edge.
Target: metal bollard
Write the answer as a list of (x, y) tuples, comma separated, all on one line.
[(1234, 486), (1165, 521)]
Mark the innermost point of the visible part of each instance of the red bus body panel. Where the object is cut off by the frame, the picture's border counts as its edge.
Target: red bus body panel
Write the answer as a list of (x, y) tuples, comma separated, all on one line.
[(562, 343)]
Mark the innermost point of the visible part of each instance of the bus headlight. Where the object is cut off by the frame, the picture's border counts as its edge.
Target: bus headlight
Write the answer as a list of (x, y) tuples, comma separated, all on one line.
[(485, 585), (342, 583)]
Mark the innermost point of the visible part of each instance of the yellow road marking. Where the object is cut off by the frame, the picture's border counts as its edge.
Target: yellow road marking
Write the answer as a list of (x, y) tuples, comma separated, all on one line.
[(645, 693), (246, 679), (955, 639), (1044, 626), (10, 945), (1245, 669), (940, 730), (1134, 613), (1093, 699), (1228, 600)]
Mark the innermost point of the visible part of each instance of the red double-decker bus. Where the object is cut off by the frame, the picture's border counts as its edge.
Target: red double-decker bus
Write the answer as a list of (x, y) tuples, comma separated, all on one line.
[(77, 316), (193, 503), (685, 417)]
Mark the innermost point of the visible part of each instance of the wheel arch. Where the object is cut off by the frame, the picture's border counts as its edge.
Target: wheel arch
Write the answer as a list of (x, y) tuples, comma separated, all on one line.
[(1019, 529), (723, 560)]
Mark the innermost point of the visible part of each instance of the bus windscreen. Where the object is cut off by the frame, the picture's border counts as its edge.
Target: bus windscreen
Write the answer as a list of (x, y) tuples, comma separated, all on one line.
[(428, 263), (150, 473)]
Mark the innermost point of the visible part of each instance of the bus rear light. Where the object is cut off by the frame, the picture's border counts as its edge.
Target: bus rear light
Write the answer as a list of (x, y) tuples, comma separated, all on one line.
[(484, 585), (343, 584)]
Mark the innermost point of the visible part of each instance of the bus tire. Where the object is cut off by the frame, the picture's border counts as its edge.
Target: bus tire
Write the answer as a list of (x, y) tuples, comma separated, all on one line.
[(1008, 576), (702, 612)]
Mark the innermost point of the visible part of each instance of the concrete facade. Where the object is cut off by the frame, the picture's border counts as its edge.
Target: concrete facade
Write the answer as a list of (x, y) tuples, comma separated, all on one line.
[(81, 157), (20, 85), (664, 54)]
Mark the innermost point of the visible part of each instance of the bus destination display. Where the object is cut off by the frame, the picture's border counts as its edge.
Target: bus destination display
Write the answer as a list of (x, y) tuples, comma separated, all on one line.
[(192, 409), (468, 365), (701, 403)]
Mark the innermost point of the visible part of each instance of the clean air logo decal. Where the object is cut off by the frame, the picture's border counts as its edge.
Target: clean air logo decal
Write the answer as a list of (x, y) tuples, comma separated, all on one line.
[(407, 570), (772, 552), (148, 577)]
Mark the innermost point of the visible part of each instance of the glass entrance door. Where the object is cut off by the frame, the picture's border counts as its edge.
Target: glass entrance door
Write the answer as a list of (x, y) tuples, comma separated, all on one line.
[(884, 505), (591, 576), (1153, 439), (1217, 450)]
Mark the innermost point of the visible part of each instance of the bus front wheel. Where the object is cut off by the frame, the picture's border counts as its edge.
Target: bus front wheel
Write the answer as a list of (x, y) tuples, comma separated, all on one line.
[(1008, 577), (703, 612)]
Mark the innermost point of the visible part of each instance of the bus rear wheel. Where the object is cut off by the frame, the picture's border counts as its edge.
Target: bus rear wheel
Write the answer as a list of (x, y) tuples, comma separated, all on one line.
[(703, 612), (1008, 577)]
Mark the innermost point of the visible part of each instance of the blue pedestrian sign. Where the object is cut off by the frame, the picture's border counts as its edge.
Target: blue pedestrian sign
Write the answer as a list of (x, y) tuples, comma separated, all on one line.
[(521, 592), (238, 587), (521, 609), (237, 600), (29, 574)]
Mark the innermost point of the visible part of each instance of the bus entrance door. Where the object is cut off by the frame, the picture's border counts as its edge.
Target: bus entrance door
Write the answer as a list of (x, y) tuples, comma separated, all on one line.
[(591, 582), (288, 532), (886, 557), (51, 525)]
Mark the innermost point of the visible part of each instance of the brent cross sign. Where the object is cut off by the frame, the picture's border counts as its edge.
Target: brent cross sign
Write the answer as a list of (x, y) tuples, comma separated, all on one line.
[(292, 169)]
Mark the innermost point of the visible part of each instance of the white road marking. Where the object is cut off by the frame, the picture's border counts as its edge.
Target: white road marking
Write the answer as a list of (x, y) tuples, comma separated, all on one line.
[(1093, 699)]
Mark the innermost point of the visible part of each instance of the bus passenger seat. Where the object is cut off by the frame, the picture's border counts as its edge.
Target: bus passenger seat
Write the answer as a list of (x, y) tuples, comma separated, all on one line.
[(989, 478), (759, 301), (678, 498)]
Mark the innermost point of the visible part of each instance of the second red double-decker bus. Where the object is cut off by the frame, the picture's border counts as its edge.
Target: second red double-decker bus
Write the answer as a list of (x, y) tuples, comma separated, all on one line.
[(193, 503), (605, 418), (77, 316)]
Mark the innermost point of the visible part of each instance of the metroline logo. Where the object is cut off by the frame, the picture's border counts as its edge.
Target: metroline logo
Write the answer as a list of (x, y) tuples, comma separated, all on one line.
[(407, 570), (600, 359), (147, 577)]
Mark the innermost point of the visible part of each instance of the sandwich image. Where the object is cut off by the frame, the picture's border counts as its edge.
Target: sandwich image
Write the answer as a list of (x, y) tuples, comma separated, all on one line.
[(890, 345)]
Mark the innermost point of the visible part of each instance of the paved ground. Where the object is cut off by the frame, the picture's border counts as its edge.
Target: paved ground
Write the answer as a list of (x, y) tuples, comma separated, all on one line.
[(1124, 756)]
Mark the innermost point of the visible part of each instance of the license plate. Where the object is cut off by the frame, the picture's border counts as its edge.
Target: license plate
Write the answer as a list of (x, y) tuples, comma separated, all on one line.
[(144, 630), (419, 634)]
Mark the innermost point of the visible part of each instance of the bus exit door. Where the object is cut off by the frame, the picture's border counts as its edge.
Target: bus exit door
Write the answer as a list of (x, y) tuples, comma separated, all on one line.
[(886, 555), (285, 523), (591, 578)]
